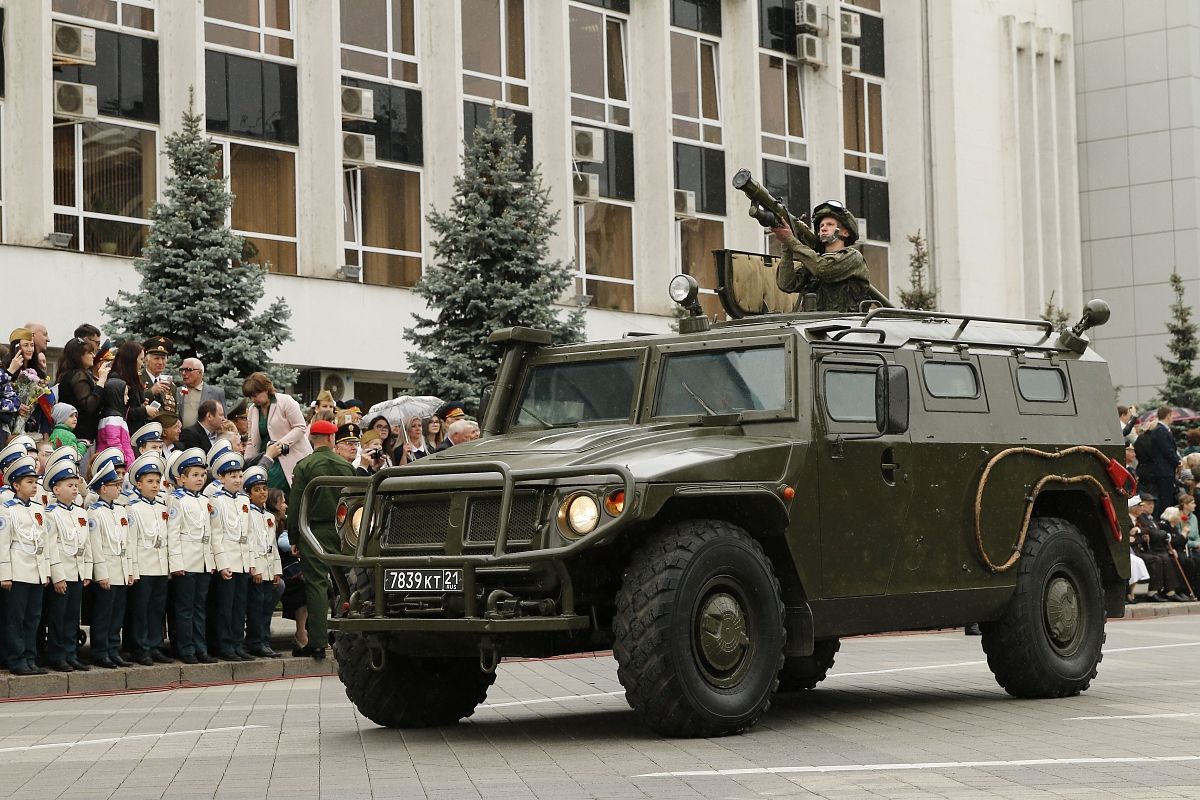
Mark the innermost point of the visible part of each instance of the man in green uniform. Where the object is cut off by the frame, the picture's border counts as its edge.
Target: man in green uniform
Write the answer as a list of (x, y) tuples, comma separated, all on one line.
[(324, 460), (833, 270)]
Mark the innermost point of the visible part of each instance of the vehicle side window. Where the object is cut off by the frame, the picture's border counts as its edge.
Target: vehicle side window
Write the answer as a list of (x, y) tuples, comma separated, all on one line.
[(1042, 385), (850, 395), (723, 382), (950, 379)]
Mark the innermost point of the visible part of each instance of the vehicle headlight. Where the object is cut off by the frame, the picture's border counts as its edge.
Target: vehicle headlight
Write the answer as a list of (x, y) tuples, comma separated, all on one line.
[(349, 523), (579, 514)]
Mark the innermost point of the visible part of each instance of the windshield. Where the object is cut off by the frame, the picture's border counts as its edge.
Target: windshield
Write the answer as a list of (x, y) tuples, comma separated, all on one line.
[(723, 382), (569, 393)]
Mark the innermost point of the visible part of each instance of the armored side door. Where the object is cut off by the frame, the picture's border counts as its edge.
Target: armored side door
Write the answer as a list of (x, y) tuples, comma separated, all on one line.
[(864, 476)]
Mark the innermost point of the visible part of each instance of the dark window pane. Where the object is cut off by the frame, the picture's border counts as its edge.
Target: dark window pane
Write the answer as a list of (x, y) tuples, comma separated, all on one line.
[(475, 114), (280, 120), (611, 5), (789, 182), (216, 91), (619, 154), (397, 125), (689, 172), (125, 76), (2, 69), (105, 75), (868, 199), (713, 200), (871, 45), (777, 25), (697, 15), (245, 96)]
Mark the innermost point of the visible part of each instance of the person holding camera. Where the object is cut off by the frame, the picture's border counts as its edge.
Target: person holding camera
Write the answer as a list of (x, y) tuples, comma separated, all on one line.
[(275, 418), (372, 456)]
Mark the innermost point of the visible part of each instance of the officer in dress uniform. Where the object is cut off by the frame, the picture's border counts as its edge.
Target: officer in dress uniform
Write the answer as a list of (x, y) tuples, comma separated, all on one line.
[(148, 438), (230, 524), (148, 517), (26, 560), (67, 528), (190, 555), (267, 569), (114, 568), (156, 383)]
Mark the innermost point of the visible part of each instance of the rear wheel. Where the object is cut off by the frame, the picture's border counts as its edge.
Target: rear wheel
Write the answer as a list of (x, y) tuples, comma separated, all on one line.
[(1048, 643), (699, 630), (801, 673)]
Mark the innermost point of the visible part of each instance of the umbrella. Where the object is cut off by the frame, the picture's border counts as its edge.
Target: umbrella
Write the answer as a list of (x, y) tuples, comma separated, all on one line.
[(1181, 415), (399, 409)]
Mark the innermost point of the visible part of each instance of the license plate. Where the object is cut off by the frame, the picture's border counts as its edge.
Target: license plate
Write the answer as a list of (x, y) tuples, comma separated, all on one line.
[(422, 580)]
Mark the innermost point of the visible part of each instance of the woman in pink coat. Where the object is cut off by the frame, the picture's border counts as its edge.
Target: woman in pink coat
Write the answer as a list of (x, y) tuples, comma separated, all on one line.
[(275, 418)]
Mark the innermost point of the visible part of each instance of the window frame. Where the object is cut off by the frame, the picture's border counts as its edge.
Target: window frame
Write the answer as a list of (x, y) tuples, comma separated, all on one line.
[(224, 142), (878, 158), (785, 342), (581, 275), (149, 5), (504, 79), (1064, 407), (360, 246), (976, 404), (703, 123), (788, 140), (77, 210), (609, 103), (640, 355), (261, 30), (391, 55)]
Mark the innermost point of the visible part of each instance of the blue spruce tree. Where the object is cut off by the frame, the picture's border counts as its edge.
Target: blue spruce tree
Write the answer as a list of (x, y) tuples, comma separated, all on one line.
[(492, 268)]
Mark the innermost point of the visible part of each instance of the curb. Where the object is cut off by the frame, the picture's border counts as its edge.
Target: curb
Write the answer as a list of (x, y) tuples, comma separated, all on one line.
[(1153, 610)]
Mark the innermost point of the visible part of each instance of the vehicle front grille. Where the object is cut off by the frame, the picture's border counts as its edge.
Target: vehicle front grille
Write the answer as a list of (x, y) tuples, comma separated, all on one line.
[(416, 522), (483, 519)]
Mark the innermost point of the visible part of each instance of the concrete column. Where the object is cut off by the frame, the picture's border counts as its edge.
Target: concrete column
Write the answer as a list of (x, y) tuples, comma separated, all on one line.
[(29, 107), (319, 161), (823, 117), (740, 117), (441, 81), (180, 67), (649, 75), (549, 66)]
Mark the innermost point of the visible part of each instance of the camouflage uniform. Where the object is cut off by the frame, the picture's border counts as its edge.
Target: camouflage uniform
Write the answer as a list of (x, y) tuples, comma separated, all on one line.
[(839, 279)]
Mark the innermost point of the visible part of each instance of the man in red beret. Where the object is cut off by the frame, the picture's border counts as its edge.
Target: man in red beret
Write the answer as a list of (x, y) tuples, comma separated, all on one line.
[(324, 460)]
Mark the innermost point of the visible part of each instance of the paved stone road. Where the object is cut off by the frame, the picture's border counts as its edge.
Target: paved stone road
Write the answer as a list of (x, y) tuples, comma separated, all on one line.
[(901, 717)]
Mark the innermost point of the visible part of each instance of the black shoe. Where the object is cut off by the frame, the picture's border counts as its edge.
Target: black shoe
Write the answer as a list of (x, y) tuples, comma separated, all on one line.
[(265, 652), (78, 665), (309, 652), (189, 659), (244, 656), (159, 657), (972, 630), (61, 666), (145, 660), (1156, 598), (1177, 598), (228, 657), (120, 662), (104, 663), (27, 669), (205, 658)]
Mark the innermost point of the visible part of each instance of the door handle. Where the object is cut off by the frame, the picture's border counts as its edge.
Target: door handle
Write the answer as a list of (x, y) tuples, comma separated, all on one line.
[(888, 466)]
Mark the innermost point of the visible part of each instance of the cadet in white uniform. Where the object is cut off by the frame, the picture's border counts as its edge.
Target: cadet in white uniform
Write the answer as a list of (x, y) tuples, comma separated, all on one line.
[(25, 562), (147, 439), (20, 445), (114, 568), (267, 570), (190, 555), (67, 527), (148, 537), (230, 523)]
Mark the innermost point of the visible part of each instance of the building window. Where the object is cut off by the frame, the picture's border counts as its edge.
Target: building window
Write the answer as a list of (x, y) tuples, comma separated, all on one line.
[(777, 25), (125, 76), (870, 44), (698, 238), (703, 16), (868, 199), (476, 114), (862, 110), (695, 93), (135, 14), (702, 170), (598, 74), (781, 108), (604, 254), (259, 26), (263, 182), (251, 97), (397, 125), (105, 181), (789, 182), (382, 223), (379, 39), (616, 171), (493, 42)]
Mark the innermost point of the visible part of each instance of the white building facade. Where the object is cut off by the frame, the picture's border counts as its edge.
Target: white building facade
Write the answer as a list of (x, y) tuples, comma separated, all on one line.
[(955, 119)]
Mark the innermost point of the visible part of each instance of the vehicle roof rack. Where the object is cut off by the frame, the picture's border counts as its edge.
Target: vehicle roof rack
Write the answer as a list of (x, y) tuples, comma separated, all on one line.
[(965, 319)]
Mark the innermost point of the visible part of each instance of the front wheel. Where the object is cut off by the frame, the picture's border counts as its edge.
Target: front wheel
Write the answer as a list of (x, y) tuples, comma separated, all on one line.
[(699, 630), (1048, 643)]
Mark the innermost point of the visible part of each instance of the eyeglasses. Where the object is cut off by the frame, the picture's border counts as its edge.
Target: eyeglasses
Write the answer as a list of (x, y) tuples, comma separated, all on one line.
[(189, 369)]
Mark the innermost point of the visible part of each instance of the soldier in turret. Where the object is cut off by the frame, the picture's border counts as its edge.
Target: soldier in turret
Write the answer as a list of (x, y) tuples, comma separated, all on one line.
[(836, 272)]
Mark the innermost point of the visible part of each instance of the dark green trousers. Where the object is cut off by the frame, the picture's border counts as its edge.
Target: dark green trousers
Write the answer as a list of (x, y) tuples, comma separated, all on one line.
[(316, 584)]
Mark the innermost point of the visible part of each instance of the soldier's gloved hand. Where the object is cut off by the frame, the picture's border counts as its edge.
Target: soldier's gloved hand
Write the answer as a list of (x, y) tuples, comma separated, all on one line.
[(784, 235)]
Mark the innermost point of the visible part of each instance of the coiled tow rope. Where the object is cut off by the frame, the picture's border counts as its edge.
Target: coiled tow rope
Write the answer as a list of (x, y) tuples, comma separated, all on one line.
[(1120, 478)]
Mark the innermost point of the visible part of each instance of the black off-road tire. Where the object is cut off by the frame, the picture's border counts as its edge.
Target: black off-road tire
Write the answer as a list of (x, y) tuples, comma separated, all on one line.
[(1048, 643), (801, 673), (699, 630), (410, 691)]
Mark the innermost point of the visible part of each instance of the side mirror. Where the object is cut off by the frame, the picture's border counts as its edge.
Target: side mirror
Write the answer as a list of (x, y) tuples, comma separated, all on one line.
[(891, 399), (485, 397)]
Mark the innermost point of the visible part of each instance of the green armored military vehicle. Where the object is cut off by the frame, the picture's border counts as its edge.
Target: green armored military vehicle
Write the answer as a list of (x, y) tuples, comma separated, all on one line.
[(720, 506)]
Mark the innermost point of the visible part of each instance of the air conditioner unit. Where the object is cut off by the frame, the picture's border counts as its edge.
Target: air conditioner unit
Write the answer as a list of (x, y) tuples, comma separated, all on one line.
[(586, 186), (358, 104), (851, 57), (851, 24), (74, 44), (74, 100), (334, 383), (810, 50), (587, 145), (358, 149), (685, 204), (350, 272), (808, 16)]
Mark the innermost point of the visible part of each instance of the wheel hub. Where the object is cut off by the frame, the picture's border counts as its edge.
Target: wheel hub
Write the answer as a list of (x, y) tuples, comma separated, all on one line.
[(723, 639), (1062, 612)]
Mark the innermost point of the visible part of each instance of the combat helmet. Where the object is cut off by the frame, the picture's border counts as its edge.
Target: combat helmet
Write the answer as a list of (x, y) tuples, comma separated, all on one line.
[(835, 209)]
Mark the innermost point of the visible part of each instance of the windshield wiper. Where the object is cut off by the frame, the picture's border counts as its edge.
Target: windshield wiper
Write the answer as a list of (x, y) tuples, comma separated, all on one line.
[(711, 411), (536, 418)]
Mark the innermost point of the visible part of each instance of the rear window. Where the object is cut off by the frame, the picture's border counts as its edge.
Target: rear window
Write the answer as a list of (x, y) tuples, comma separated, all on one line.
[(950, 379), (850, 395), (1042, 385)]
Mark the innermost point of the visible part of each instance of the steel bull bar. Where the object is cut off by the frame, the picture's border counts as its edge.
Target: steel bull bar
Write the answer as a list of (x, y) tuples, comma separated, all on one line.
[(443, 479)]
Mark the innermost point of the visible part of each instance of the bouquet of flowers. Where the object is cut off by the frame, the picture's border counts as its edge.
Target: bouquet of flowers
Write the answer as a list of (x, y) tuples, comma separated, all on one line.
[(32, 391)]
